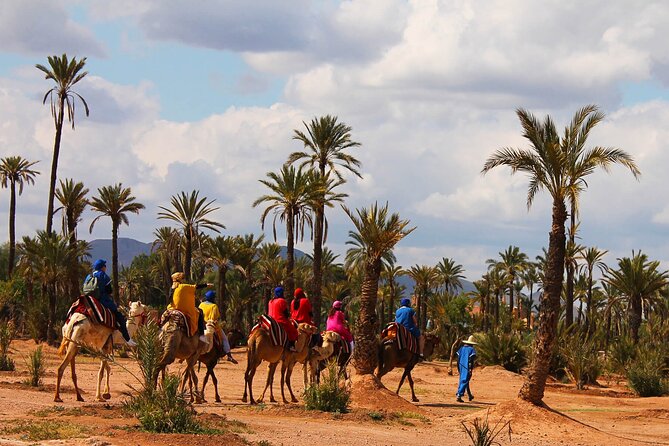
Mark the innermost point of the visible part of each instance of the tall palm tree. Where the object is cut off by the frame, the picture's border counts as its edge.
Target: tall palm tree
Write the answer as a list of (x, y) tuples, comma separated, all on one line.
[(220, 251), (560, 166), (326, 142), (390, 274), (425, 278), (51, 258), (167, 244), (191, 213), (571, 257), (481, 293), (272, 269), (593, 257), (291, 193), (512, 262), (15, 170), (66, 74), (450, 274), (115, 202), (376, 234), (530, 278), (73, 202), (637, 279)]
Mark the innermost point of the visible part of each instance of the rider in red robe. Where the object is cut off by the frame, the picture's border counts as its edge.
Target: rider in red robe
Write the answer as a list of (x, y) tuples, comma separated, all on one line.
[(278, 310)]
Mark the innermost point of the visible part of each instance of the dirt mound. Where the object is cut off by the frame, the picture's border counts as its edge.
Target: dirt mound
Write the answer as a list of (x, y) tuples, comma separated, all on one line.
[(496, 371), (367, 392)]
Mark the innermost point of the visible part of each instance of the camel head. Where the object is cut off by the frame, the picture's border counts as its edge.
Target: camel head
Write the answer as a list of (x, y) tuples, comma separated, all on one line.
[(431, 342), (331, 337), (307, 329), (137, 309)]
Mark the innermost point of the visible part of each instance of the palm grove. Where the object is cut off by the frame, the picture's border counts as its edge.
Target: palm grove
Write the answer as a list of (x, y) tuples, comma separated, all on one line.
[(622, 309)]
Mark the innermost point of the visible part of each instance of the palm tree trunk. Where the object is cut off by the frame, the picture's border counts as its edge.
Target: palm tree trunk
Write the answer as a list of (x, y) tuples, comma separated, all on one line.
[(390, 304), (535, 381), (365, 355), (290, 252), (511, 299), (589, 312), (54, 165), (529, 307), (569, 296), (189, 253), (222, 301), (635, 315), (115, 290), (317, 284), (71, 222), (12, 229)]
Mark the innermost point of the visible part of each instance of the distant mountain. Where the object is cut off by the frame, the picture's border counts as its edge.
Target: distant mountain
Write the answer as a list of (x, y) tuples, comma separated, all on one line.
[(408, 282), (127, 250), (297, 253)]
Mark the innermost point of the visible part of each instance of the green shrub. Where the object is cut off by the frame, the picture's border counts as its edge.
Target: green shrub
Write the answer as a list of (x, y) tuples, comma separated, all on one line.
[(331, 395), (36, 367), (165, 410), (148, 353), (645, 375), (480, 432), (6, 334), (506, 349), (621, 352), (582, 360)]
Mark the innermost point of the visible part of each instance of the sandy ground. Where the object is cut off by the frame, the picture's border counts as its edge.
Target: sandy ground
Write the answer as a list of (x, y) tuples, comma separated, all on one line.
[(608, 415)]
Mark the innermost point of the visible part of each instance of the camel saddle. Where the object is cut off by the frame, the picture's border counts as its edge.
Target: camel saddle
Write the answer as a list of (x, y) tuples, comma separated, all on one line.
[(276, 332), (97, 313), (399, 334), (179, 317)]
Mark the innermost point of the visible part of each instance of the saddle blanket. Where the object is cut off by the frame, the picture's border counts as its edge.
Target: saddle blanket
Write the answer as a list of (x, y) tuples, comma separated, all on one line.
[(182, 319), (276, 332), (400, 334), (94, 310)]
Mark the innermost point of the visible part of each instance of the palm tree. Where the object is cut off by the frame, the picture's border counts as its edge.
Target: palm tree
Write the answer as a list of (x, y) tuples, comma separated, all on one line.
[(15, 170), (572, 250), (66, 74), (450, 274), (114, 202), (191, 213), (481, 293), (73, 202), (326, 142), (167, 245), (593, 257), (512, 264), (637, 279), (220, 252), (272, 269), (376, 234), (559, 165), (390, 274), (51, 258), (425, 278), (530, 277), (291, 194)]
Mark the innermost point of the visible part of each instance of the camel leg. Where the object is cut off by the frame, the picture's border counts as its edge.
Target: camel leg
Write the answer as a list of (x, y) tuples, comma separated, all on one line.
[(70, 353), (74, 379), (101, 375), (284, 368), (194, 391), (204, 383), (107, 394), (269, 383), (215, 382), (251, 366), (289, 373), (413, 394)]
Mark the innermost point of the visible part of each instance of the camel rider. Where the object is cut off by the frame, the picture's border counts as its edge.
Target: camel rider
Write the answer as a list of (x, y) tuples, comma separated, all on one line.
[(337, 323), (183, 299), (104, 296), (300, 308), (278, 310), (211, 313), (405, 315)]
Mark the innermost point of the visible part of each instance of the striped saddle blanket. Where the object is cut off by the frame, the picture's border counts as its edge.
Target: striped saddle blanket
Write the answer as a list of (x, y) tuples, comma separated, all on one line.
[(178, 316), (276, 332), (395, 332), (93, 310)]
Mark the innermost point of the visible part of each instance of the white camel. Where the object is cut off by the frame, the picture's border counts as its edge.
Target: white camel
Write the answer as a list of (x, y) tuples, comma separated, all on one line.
[(78, 332), (137, 316)]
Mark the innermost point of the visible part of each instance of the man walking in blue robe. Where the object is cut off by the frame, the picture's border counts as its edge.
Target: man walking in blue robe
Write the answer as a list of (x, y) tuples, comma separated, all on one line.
[(466, 357)]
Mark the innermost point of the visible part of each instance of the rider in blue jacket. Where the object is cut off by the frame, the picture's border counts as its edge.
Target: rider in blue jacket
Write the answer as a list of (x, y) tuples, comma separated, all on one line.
[(405, 315), (466, 357)]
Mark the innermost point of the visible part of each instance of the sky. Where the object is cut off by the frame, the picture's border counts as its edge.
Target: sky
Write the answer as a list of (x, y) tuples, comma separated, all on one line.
[(206, 95)]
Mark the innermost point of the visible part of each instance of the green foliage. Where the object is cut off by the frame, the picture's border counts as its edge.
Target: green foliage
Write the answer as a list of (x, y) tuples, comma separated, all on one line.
[(621, 352), (506, 349), (582, 360), (645, 374), (6, 334), (36, 367), (481, 433), (148, 353), (44, 430), (165, 410), (330, 395), (37, 318)]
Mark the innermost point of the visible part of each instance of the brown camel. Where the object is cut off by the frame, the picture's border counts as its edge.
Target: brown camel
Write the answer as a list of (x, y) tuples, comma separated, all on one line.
[(178, 345), (260, 348), (332, 348), (78, 332), (390, 357), (290, 359)]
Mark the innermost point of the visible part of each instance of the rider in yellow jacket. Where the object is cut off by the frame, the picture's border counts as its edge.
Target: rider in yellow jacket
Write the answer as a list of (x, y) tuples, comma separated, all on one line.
[(211, 313)]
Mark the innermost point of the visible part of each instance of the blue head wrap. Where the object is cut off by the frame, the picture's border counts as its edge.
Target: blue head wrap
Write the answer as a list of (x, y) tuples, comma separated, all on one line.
[(99, 264), (278, 291), (406, 302), (209, 296)]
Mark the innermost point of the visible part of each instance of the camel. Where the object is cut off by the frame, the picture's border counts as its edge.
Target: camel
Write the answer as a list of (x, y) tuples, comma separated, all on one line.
[(290, 359), (178, 345), (260, 349), (138, 315), (79, 331), (332, 347), (390, 357)]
